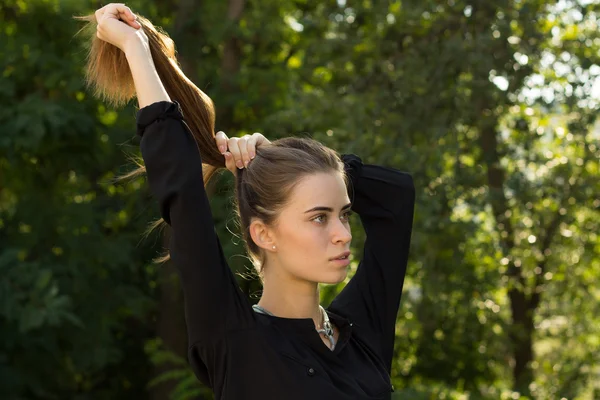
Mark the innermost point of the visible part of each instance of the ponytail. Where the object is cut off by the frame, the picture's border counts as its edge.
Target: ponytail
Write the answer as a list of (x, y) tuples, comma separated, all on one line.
[(108, 74)]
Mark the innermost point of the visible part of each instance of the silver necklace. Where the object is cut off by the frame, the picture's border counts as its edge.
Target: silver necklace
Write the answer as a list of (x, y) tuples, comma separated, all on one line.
[(327, 328)]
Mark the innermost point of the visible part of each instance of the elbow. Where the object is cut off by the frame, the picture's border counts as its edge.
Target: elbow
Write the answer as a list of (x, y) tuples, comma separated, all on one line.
[(408, 183), (406, 194), (178, 192)]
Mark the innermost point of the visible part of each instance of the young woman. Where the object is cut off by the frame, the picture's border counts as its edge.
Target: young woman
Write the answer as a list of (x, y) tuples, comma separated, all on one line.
[(294, 197)]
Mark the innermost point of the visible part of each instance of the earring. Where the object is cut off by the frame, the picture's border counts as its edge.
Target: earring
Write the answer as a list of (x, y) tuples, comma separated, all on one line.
[(273, 247)]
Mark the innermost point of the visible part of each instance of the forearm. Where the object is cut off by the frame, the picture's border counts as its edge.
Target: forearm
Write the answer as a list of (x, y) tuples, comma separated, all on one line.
[(148, 85), (174, 172)]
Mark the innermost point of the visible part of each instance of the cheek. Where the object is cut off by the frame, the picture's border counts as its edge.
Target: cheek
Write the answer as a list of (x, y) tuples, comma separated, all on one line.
[(306, 243)]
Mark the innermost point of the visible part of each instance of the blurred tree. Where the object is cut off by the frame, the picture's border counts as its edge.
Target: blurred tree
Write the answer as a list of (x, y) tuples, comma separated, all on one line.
[(443, 88), (76, 292), (490, 104)]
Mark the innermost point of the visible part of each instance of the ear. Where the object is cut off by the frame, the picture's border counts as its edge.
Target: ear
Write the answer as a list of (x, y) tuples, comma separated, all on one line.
[(262, 235)]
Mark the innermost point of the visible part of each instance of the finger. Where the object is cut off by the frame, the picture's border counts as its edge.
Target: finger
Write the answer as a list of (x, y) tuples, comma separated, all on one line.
[(221, 140), (119, 17), (261, 139), (245, 147), (114, 14), (129, 18), (114, 8), (251, 146), (132, 19), (234, 147), (123, 18), (118, 10), (98, 14), (133, 22), (229, 162)]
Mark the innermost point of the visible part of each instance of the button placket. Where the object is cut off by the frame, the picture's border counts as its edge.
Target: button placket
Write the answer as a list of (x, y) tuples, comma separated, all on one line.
[(310, 372)]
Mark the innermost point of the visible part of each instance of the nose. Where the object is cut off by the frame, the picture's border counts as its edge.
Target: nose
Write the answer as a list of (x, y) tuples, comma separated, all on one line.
[(341, 232)]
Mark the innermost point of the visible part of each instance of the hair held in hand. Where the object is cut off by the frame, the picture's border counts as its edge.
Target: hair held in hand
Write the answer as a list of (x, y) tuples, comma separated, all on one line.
[(108, 74)]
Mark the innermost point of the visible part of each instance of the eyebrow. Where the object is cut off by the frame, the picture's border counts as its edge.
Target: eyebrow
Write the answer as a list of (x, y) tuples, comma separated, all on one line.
[(328, 209)]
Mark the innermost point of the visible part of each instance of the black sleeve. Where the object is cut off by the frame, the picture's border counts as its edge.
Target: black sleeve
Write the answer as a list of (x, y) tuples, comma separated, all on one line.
[(384, 200), (214, 303)]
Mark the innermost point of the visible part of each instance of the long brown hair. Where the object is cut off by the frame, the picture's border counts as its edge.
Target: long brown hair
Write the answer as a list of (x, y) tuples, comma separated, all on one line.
[(264, 187)]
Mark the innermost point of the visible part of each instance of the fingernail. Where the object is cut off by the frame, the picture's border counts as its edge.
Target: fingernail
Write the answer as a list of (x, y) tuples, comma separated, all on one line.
[(227, 155), (222, 148), (239, 164), (246, 163), (252, 155)]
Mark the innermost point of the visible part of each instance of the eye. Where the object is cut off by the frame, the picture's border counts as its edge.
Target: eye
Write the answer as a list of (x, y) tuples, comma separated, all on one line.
[(347, 215), (318, 216)]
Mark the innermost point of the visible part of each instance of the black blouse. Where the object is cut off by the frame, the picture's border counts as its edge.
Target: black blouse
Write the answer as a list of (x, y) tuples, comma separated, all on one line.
[(242, 354)]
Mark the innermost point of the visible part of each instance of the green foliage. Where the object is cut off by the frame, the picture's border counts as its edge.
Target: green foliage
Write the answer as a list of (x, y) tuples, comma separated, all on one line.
[(491, 105), (75, 290), (187, 385)]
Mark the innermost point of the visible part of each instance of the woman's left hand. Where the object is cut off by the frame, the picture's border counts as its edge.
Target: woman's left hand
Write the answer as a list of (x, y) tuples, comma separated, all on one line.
[(238, 152)]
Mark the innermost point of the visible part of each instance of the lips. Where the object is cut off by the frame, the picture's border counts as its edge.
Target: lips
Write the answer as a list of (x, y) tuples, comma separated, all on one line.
[(344, 255)]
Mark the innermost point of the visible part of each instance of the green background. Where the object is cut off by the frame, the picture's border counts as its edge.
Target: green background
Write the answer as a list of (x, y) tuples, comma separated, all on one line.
[(490, 104)]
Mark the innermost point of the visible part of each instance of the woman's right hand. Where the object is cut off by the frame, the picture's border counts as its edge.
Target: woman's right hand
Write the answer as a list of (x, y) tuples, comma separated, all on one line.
[(238, 152), (117, 25)]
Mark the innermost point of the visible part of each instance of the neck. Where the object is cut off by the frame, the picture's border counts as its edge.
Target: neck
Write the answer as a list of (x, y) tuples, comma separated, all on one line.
[(289, 297)]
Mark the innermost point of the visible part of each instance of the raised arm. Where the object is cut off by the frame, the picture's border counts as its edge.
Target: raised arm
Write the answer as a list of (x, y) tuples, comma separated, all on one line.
[(148, 86), (384, 200), (214, 303)]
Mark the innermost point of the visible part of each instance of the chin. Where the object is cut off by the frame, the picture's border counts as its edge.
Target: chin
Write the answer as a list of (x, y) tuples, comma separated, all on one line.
[(334, 279)]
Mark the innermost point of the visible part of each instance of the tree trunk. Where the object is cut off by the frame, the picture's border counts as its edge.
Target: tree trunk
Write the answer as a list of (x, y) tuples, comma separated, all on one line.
[(170, 324), (522, 309), (187, 29), (230, 65), (521, 336)]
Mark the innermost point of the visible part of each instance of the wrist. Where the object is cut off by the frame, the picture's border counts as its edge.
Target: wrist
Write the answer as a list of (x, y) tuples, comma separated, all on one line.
[(136, 43)]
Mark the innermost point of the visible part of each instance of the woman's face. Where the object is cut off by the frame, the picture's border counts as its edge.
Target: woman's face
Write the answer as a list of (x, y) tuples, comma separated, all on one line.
[(313, 228)]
